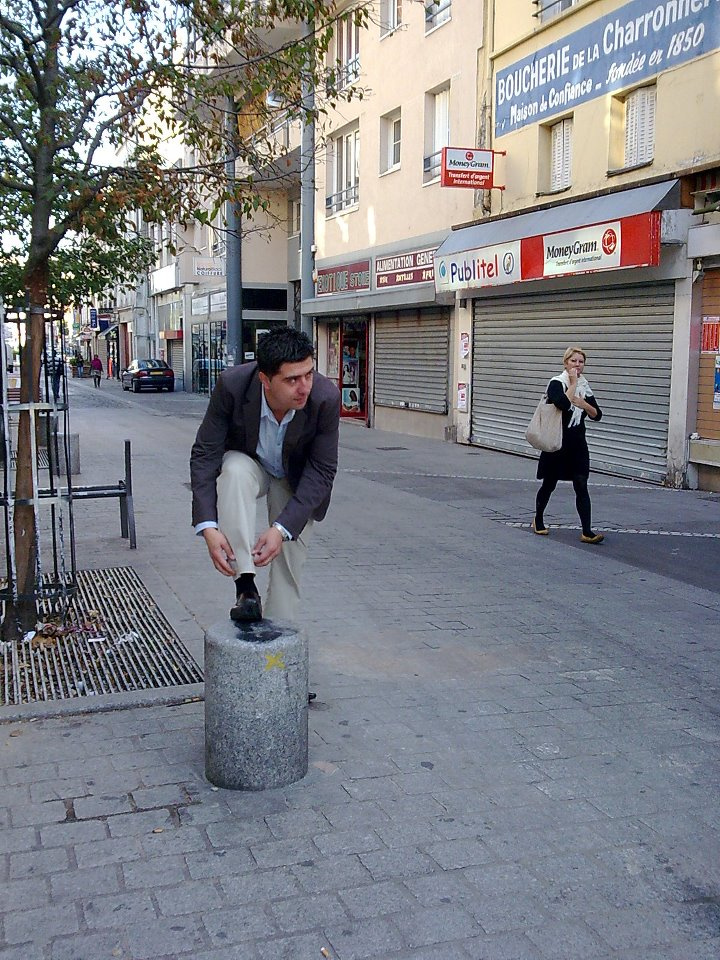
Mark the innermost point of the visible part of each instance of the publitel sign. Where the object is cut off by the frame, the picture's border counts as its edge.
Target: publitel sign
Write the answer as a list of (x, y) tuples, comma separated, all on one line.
[(612, 245), (466, 167), (347, 278), (636, 41), (417, 266), (93, 318)]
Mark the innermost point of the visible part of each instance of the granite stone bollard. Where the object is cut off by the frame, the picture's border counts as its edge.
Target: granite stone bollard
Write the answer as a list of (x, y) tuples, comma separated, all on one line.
[(256, 702)]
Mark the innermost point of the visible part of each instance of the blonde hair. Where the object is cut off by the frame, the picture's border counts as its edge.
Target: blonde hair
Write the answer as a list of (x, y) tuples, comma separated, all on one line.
[(570, 351)]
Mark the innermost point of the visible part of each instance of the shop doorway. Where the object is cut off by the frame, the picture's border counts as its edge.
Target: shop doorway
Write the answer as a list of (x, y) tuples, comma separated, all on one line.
[(347, 364), (208, 354)]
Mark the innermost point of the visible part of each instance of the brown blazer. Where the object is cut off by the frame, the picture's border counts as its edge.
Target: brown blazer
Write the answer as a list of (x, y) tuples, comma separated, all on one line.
[(310, 450)]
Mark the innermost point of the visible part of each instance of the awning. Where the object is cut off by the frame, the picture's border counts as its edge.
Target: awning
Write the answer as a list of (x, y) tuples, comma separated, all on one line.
[(610, 232), (567, 216), (106, 333)]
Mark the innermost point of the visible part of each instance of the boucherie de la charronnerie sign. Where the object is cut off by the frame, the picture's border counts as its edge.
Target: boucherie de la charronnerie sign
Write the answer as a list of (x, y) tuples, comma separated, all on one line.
[(638, 40)]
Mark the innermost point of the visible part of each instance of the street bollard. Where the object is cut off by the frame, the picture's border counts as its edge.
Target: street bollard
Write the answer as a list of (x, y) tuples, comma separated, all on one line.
[(256, 700)]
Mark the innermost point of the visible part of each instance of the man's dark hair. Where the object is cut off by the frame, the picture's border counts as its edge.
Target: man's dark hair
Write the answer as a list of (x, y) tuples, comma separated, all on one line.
[(282, 345)]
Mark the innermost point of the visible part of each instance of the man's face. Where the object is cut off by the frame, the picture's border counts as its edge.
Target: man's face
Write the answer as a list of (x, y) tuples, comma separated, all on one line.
[(290, 387)]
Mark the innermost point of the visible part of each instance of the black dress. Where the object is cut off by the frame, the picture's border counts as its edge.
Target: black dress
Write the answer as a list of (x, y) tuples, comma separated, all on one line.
[(573, 458)]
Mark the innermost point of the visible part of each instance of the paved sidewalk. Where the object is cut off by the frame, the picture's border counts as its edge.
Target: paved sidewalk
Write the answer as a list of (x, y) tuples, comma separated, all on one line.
[(513, 754)]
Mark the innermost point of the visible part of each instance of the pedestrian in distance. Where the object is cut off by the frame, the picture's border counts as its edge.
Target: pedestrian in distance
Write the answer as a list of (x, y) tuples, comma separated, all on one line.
[(56, 370), (96, 368), (80, 364), (271, 431), (572, 395)]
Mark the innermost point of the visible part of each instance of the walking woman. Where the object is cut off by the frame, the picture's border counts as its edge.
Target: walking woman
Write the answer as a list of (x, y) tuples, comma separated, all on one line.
[(97, 370), (571, 393)]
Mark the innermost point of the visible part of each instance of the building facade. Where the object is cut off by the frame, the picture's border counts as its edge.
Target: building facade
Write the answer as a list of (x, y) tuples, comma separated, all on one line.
[(384, 334), (606, 234)]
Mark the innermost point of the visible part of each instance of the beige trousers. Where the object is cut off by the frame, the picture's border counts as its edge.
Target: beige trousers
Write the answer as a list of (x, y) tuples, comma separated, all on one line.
[(241, 483)]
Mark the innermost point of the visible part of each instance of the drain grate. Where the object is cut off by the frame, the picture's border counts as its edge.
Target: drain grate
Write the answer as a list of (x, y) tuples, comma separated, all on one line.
[(114, 639)]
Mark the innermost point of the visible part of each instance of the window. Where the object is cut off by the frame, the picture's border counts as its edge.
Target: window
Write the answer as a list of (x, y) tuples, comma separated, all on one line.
[(640, 126), (390, 131), (561, 154), (436, 12), (347, 50), (548, 9), (294, 217), (344, 172), (217, 237), (437, 132), (390, 16)]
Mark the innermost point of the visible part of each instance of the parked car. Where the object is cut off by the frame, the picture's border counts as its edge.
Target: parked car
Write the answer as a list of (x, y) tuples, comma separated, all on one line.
[(148, 375)]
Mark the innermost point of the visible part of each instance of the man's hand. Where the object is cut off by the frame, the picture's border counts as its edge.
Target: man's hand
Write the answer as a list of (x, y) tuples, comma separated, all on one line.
[(221, 553), (268, 546)]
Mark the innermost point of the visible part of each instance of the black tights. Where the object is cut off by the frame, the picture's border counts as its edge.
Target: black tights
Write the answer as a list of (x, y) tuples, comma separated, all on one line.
[(582, 502)]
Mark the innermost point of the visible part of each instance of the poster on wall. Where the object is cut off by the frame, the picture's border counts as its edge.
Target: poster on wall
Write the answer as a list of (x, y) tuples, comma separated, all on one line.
[(350, 399), (350, 371), (333, 353), (462, 396), (716, 392)]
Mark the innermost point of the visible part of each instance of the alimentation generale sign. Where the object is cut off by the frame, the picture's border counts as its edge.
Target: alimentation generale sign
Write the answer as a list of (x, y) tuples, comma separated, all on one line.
[(638, 40)]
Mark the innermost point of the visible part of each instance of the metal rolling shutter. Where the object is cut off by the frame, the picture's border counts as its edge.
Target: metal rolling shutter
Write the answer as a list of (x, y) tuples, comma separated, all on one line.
[(412, 354), (175, 360), (628, 334)]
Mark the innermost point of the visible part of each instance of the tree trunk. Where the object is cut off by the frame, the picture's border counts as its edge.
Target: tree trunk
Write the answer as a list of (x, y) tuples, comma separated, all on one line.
[(22, 614)]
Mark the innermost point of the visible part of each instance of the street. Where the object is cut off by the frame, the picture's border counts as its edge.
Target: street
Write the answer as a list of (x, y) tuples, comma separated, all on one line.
[(513, 753)]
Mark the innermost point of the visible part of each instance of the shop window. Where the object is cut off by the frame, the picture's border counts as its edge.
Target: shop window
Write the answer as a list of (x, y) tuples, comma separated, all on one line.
[(390, 16), (549, 9), (561, 154), (437, 13), (343, 172), (437, 131), (390, 131)]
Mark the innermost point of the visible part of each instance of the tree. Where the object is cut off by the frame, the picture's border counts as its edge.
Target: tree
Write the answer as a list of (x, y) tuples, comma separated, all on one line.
[(81, 78)]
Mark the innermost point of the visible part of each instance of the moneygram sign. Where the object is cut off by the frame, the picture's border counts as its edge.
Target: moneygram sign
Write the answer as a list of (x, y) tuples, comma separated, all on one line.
[(466, 167), (637, 41), (613, 245)]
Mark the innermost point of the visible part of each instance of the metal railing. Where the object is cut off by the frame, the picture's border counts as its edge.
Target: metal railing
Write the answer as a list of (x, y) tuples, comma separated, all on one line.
[(349, 197)]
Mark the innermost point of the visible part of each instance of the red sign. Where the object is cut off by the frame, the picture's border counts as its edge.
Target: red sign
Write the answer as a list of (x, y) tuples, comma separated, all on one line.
[(467, 167), (629, 242), (402, 268), (348, 278)]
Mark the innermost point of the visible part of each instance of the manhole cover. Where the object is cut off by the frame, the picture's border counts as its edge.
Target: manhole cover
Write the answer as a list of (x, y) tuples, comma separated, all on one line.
[(114, 639)]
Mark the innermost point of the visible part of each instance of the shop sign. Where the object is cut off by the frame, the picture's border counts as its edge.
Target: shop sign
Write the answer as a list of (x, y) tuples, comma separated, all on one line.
[(414, 267), (628, 242), (485, 267), (466, 167), (348, 278), (716, 392), (218, 301), (199, 306), (209, 266), (641, 39), (93, 318)]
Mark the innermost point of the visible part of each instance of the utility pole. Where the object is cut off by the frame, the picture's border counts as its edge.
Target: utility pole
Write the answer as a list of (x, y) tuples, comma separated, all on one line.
[(307, 200), (233, 248)]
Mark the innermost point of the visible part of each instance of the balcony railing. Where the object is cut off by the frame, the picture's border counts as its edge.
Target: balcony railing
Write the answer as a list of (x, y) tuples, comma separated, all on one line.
[(349, 197), (437, 13), (431, 165)]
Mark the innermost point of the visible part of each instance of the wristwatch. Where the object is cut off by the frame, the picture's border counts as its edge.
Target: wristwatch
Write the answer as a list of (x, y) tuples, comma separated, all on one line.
[(283, 532)]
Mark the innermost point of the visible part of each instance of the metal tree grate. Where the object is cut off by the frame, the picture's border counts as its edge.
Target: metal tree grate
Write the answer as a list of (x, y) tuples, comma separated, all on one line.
[(114, 639)]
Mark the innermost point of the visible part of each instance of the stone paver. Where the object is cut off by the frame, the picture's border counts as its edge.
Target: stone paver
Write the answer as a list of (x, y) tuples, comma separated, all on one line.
[(493, 775)]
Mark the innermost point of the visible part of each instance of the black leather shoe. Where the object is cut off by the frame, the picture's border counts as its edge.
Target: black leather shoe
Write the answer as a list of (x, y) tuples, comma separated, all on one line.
[(248, 607), (311, 697)]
